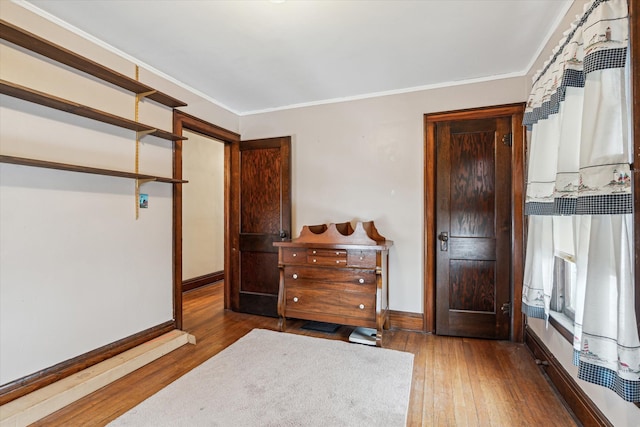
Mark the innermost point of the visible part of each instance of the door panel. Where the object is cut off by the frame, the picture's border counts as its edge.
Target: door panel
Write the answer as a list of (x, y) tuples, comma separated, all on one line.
[(473, 224), (260, 171), (472, 285), (262, 214)]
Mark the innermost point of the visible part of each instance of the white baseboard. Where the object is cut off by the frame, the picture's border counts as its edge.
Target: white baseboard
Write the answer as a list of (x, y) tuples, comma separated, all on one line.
[(45, 401)]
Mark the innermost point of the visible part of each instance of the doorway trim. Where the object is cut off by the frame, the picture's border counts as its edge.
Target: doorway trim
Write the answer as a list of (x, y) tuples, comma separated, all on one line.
[(186, 121), (516, 112)]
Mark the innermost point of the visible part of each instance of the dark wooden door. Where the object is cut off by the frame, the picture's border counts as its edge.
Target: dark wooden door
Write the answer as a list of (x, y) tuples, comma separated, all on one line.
[(261, 214), (473, 228)]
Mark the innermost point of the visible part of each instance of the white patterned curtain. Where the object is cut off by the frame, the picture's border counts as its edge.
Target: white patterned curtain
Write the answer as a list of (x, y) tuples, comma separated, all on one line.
[(579, 184)]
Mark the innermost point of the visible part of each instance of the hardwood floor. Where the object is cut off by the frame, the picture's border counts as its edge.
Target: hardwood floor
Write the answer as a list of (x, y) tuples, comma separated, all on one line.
[(456, 381)]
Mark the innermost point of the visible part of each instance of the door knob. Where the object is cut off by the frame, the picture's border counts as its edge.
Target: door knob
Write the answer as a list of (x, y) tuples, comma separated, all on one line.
[(283, 234), (444, 241)]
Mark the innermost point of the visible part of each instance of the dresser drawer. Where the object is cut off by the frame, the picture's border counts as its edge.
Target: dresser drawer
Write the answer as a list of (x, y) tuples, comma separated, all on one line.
[(294, 255), (361, 258), (353, 304), (328, 257), (353, 279), (359, 305)]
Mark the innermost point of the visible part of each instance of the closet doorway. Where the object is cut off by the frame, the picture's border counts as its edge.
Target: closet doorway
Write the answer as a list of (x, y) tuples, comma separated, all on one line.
[(202, 211)]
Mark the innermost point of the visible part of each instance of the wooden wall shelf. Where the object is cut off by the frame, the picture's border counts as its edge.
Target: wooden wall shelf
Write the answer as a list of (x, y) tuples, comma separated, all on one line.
[(85, 169), (37, 44), (51, 101)]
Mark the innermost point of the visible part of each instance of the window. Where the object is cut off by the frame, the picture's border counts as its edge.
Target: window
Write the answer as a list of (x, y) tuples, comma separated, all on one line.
[(563, 297)]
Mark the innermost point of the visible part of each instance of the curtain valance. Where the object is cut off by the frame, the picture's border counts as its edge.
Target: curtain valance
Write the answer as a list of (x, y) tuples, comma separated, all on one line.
[(590, 136)]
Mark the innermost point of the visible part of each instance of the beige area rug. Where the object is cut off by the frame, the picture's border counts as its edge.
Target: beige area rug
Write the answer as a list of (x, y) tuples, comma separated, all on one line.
[(270, 378)]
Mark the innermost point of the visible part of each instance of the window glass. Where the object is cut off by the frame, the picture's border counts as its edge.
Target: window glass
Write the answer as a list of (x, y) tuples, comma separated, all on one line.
[(563, 297)]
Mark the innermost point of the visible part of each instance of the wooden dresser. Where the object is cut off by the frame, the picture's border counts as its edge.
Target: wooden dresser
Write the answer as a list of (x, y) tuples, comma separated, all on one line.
[(335, 274)]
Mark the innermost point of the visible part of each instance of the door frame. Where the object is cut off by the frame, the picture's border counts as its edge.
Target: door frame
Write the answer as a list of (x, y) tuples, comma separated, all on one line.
[(516, 112), (181, 121)]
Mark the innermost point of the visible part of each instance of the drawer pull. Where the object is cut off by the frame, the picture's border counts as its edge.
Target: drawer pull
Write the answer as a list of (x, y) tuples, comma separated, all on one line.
[(337, 261), (361, 306), (295, 255), (295, 299), (314, 252), (337, 253), (360, 280), (361, 257), (314, 260), (295, 275)]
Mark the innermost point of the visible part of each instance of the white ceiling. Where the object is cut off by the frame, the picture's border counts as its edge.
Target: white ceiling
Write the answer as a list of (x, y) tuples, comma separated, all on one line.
[(261, 55)]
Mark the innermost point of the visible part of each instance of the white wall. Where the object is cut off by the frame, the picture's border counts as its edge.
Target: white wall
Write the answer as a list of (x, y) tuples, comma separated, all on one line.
[(77, 270), (363, 160), (202, 206)]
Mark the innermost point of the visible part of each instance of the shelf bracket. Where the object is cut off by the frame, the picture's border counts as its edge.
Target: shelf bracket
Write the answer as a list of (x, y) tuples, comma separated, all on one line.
[(141, 181), (141, 95), (142, 133)]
